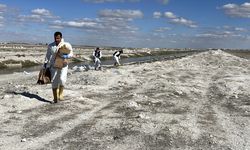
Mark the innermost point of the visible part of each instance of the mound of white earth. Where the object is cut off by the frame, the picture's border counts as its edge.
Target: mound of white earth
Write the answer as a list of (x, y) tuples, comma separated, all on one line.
[(197, 102)]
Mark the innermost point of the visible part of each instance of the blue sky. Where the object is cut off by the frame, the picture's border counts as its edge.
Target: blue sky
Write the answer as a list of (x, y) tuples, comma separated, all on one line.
[(129, 23)]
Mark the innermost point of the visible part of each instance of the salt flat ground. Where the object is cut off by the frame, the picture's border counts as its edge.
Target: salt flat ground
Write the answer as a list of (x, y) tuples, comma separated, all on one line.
[(197, 102)]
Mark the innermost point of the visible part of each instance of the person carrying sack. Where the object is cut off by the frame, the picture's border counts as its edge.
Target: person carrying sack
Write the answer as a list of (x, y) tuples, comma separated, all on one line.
[(56, 60)]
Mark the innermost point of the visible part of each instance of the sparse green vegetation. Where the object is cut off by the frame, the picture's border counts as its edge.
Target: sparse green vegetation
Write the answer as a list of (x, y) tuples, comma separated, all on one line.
[(75, 60), (26, 63)]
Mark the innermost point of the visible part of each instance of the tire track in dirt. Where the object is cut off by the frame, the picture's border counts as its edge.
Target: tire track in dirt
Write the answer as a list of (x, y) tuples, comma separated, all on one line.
[(207, 120), (221, 132), (40, 141), (99, 131), (179, 108), (231, 119), (39, 128)]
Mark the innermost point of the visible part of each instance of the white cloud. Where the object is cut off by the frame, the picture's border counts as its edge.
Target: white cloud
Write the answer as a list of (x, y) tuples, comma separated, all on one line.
[(108, 23), (41, 12), (157, 14), (240, 29), (179, 20), (3, 9), (169, 15), (164, 2), (27, 37), (85, 23), (183, 21), (234, 29), (119, 21), (33, 18), (81, 24), (224, 32), (37, 15), (220, 39), (235, 10), (97, 25), (117, 13), (56, 27), (173, 34)]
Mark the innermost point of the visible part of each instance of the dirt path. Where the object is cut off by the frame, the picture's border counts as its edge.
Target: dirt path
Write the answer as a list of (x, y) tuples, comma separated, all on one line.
[(197, 102)]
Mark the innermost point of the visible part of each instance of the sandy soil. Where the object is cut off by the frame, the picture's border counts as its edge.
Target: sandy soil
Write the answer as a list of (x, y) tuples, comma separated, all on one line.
[(197, 102)]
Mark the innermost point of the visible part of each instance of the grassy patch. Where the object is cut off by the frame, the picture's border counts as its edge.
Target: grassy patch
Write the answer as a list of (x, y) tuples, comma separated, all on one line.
[(75, 60), (2, 65), (26, 63)]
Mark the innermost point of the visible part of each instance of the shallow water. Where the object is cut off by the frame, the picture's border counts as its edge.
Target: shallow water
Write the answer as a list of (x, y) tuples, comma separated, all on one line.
[(106, 63)]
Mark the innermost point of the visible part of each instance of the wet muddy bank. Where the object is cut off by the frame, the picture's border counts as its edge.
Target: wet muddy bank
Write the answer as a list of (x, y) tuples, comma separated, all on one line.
[(240, 53)]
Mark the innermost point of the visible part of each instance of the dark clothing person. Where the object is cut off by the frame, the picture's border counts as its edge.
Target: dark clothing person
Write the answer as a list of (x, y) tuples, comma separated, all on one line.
[(97, 54)]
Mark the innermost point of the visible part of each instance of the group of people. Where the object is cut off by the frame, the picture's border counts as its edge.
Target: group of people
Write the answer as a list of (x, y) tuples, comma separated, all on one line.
[(97, 55), (56, 60)]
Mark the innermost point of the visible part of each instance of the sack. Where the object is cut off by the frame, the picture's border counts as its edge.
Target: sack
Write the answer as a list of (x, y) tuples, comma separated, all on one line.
[(64, 50), (44, 76), (59, 62)]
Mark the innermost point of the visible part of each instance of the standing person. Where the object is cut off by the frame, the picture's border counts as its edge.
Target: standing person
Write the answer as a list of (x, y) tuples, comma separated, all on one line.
[(97, 54), (56, 59), (116, 57)]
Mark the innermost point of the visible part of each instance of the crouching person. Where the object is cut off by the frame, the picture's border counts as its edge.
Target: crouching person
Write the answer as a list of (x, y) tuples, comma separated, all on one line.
[(56, 60), (117, 57)]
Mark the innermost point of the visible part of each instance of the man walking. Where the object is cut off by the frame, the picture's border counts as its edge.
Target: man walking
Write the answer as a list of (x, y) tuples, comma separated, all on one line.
[(56, 60)]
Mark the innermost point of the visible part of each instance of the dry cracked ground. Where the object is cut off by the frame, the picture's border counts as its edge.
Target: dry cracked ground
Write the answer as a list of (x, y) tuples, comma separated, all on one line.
[(197, 102)]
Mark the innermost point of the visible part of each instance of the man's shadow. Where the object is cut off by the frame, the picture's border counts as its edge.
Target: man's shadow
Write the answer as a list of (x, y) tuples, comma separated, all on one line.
[(29, 95)]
